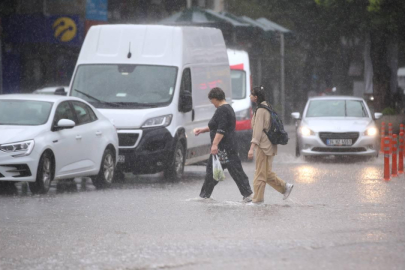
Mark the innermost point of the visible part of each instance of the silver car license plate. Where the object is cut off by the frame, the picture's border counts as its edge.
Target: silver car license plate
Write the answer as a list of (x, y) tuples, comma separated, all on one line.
[(121, 158), (339, 142)]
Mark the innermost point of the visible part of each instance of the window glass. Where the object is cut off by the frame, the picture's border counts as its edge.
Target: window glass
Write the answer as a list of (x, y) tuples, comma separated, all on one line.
[(125, 86), (337, 108), (186, 81), (24, 112), (64, 111), (355, 108), (84, 113), (238, 79)]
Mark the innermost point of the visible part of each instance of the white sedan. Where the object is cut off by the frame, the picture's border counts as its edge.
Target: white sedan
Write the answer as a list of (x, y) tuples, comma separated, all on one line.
[(45, 137), (336, 125)]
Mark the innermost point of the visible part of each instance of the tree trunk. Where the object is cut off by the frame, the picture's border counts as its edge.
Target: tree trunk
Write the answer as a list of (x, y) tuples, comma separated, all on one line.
[(382, 72)]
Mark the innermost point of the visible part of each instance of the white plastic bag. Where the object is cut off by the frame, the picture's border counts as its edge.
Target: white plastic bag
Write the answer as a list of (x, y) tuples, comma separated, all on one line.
[(217, 170)]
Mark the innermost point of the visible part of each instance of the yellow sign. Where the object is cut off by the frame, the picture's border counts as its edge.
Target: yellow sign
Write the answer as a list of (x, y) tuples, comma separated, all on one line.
[(65, 29)]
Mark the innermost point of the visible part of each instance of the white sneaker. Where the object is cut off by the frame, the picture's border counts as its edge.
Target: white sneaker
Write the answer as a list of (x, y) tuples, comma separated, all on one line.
[(247, 199), (288, 188)]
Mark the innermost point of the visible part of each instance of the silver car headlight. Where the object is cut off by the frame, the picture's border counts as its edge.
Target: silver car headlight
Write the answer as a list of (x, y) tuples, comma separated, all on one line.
[(19, 148), (372, 131), (306, 131), (161, 121)]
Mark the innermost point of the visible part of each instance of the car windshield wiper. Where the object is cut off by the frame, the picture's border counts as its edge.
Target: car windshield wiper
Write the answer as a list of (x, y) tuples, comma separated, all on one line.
[(152, 105), (96, 99)]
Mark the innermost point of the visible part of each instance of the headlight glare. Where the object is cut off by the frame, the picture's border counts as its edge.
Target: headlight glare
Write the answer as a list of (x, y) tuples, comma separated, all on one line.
[(161, 121), (371, 131), (19, 148), (306, 131)]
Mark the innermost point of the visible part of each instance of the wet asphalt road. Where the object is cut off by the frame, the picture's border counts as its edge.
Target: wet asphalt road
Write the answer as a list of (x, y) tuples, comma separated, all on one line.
[(340, 215)]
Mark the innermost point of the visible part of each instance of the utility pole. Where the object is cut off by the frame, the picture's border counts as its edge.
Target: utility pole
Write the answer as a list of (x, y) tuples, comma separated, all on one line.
[(282, 76), (1, 63)]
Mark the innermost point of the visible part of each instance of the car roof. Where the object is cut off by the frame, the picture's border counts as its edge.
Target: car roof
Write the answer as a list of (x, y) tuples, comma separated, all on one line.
[(51, 88), (36, 97), (335, 98)]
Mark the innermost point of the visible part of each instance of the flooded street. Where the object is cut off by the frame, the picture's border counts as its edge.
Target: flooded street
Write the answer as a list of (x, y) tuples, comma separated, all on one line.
[(340, 215)]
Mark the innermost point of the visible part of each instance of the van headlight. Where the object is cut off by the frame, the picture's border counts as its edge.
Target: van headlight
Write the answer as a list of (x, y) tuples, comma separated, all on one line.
[(371, 131), (161, 121), (306, 131), (19, 148)]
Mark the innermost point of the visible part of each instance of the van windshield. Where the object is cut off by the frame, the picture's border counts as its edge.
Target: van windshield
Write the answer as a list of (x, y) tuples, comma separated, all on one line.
[(125, 86), (238, 80)]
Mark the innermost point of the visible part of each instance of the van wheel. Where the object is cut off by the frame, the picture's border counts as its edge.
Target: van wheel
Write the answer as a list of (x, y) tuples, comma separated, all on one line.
[(45, 175), (105, 176), (297, 150), (175, 170), (243, 152)]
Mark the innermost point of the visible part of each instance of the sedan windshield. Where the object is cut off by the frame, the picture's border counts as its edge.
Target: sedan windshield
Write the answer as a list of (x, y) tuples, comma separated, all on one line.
[(125, 86), (238, 79), (337, 108), (24, 112)]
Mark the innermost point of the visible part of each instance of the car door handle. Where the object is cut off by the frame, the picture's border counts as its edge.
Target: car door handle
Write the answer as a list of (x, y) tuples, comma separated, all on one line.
[(99, 133), (78, 137)]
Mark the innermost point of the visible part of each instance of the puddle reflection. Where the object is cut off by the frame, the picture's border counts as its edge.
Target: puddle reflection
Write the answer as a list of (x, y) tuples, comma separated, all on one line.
[(306, 174), (371, 188)]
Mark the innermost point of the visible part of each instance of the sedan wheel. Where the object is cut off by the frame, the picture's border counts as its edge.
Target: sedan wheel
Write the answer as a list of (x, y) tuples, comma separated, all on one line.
[(44, 175), (107, 168)]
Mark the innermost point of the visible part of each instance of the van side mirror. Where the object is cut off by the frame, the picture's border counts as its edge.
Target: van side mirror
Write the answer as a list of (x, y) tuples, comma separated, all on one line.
[(185, 102), (60, 92)]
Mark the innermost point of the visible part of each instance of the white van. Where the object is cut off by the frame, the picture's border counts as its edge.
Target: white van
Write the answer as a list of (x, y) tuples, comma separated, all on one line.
[(152, 82), (241, 84)]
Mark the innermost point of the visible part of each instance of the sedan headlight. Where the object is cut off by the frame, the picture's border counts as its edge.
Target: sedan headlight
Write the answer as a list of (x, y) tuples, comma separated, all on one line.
[(306, 131), (161, 121), (371, 131), (19, 148)]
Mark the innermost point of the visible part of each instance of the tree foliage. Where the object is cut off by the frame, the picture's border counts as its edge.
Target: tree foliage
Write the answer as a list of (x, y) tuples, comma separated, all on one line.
[(330, 37)]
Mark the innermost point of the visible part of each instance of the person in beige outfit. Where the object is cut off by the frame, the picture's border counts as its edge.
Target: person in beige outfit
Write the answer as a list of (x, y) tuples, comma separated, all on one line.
[(265, 151)]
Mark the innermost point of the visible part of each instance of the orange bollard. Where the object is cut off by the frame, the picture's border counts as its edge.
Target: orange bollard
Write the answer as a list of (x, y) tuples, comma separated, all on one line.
[(403, 138), (394, 171), (390, 135), (401, 128), (387, 143), (401, 155), (382, 137)]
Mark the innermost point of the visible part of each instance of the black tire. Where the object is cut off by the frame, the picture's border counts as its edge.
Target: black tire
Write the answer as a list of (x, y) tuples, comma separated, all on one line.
[(175, 170), (243, 152), (7, 188), (297, 150), (119, 176), (45, 175), (105, 176)]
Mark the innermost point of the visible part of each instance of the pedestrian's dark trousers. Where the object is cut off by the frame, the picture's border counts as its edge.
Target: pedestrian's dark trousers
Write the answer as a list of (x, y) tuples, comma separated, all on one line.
[(235, 169)]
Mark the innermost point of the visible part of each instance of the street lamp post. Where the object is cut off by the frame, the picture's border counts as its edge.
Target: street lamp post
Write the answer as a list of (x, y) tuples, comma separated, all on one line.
[(282, 76)]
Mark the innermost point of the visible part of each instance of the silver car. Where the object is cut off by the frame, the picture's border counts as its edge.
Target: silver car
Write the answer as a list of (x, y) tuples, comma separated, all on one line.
[(336, 125)]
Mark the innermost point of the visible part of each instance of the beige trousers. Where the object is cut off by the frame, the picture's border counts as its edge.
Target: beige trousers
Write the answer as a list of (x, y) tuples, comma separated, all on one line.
[(263, 175)]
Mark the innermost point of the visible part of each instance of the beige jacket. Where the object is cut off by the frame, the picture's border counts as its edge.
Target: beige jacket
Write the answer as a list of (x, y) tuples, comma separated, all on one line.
[(260, 121)]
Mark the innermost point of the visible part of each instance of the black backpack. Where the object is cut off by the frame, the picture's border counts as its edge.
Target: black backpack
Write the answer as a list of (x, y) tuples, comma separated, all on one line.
[(276, 134)]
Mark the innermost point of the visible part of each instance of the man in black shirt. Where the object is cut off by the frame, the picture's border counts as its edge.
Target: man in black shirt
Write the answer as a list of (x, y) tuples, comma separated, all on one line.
[(223, 143)]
